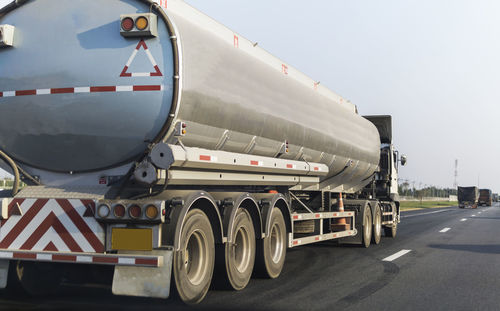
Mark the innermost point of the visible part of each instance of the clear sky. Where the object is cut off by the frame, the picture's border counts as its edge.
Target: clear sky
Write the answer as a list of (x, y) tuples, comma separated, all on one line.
[(434, 65)]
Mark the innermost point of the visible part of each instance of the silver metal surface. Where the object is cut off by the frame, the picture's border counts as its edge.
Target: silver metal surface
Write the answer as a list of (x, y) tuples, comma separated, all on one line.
[(234, 96)]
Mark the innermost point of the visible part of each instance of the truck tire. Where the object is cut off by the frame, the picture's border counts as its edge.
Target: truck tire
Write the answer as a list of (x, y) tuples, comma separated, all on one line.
[(392, 230), (39, 279), (377, 226), (272, 249), (240, 255), (193, 264), (367, 227)]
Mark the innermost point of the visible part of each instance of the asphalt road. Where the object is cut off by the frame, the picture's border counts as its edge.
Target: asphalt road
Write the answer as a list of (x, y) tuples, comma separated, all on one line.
[(439, 269)]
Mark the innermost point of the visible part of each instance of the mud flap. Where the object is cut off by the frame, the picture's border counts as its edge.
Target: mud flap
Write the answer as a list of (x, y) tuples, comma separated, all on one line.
[(142, 281), (4, 273)]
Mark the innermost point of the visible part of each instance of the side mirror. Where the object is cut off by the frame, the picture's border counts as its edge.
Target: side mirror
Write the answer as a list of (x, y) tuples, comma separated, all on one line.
[(403, 160)]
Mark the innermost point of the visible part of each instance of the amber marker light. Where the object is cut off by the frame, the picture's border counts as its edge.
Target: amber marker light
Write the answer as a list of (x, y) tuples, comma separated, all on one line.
[(141, 23), (151, 212)]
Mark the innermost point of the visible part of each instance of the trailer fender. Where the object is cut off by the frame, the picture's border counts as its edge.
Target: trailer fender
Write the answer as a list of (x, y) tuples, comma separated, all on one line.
[(267, 204), (230, 202), (196, 199)]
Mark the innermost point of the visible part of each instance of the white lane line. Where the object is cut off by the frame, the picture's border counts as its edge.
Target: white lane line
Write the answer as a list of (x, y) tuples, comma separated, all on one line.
[(397, 255), (445, 229), (473, 215), (463, 219), (446, 210)]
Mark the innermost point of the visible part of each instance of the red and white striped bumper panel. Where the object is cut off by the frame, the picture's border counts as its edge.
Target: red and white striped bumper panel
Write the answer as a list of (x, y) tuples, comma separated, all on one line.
[(84, 89), (52, 225), (84, 258)]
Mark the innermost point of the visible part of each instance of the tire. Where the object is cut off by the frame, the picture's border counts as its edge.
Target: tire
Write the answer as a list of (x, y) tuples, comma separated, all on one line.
[(193, 264), (367, 227), (240, 255), (391, 231), (39, 279), (272, 249), (377, 226)]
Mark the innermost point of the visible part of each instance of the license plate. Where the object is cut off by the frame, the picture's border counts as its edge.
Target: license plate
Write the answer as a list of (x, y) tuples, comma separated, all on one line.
[(132, 239)]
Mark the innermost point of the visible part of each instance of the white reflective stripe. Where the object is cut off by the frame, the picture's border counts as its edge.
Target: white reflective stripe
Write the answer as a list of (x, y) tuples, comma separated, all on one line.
[(42, 91), (124, 88), (151, 59), (84, 258), (9, 93), (6, 255), (162, 88), (126, 261), (83, 89), (134, 53), (141, 74), (445, 230), (44, 256)]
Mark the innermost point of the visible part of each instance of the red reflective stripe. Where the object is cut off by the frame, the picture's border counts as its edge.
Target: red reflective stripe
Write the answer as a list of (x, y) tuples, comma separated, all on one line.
[(316, 168), (24, 256), (1, 94), (64, 257), (25, 92), (124, 72), (295, 242), (296, 217), (145, 261), (204, 158), (316, 238), (317, 215), (157, 73), (104, 260), (289, 166), (143, 44), (94, 89), (147, 88), (254, 162), (63, 90)]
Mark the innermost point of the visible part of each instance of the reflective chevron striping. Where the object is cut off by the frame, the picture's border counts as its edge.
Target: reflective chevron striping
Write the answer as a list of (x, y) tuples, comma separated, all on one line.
[(52, 225)]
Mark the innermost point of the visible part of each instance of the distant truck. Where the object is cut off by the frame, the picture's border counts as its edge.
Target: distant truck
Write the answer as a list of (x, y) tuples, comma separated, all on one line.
[(485, 197), (468, 197)]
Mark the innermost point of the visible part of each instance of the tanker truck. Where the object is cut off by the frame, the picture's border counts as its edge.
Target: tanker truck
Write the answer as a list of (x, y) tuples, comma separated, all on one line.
[(162, 150)]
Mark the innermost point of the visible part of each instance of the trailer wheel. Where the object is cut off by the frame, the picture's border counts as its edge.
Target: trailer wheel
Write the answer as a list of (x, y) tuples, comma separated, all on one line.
[(392, 230), (240, 255), (193, 264), (272, 249), (377, 226), (367, 227), (39, 278)]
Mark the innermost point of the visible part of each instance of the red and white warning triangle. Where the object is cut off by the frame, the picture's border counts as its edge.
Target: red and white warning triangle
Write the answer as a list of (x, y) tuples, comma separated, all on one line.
[(157, 72)]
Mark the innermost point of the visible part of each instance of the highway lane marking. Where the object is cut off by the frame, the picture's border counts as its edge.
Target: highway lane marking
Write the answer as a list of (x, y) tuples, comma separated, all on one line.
[(397, 255), (473, 215), (446, 210), (463, 219), (445, 229)]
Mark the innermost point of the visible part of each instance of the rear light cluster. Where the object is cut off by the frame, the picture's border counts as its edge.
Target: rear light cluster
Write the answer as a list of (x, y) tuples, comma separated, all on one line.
[(139, 25), (130, 212)]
